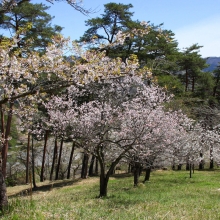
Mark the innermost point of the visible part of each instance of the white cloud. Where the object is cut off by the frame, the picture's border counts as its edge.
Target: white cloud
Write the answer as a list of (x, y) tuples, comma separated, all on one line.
[(206, 33)]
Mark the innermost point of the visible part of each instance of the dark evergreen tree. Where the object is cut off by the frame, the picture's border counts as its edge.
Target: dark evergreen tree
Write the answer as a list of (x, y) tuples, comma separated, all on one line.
[(116, 17), (191, 64), (216, 89), (40, 30)]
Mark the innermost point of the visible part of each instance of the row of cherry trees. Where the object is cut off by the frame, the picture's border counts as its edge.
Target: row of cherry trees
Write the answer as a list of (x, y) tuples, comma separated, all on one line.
[(28, 78), (108, 107)]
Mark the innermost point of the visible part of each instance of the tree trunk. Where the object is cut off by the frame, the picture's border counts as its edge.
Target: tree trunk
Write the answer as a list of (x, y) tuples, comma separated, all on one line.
[(70, 160), (2, 122), (129, 168), (59, 160), (44, 155), (201, 163), (136, 173), (147, 174), (91, 173), (33, 162), (27, 159), (190, 170), (211, 159), (54, 159), (104, 178), (3, 193), (85, 161), (96, 167), (211, 164), (179, 167), (103, 185), (4, 150)]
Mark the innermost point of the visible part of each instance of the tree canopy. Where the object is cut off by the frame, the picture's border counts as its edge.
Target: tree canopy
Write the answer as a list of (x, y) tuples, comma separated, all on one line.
[(34, 18)]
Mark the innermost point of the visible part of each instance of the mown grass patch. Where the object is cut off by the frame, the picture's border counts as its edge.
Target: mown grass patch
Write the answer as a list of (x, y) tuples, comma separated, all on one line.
[(168, 195)]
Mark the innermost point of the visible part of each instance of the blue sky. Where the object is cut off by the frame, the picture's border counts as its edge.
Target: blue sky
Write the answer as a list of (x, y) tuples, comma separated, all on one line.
[(192, 21)]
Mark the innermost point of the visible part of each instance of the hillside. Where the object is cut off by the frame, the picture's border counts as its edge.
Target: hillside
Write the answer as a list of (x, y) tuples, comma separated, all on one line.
[(213, 62)]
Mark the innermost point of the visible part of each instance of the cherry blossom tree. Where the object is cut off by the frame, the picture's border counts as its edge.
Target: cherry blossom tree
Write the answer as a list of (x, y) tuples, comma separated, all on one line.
[(123, 116), (161, 130)]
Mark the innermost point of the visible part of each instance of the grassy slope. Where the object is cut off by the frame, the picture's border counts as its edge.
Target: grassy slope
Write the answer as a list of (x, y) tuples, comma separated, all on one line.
[(169, 195)]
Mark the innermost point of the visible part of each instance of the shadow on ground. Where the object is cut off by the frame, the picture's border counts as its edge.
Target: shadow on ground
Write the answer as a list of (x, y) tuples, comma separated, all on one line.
[(49, 185), (45, 187)]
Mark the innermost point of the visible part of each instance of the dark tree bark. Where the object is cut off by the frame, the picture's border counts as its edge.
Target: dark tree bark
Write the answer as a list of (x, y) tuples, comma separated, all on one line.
[(129, 168), (85, 161), (103, 185), (211, 159), (54, 159), (70, 160), (59, 160), (44, 155), (33, 163), (137, 168), (201, 163), (190, 170), (147, 174), (4, 150), (104, 176), (27, 159), (96, 167), (211, 164), (91, 166), (3, 193), (2, 121), (179, 167)]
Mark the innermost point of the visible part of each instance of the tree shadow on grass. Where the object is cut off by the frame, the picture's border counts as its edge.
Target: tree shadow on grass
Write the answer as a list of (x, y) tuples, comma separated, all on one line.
[(45, 187), (48, 186), (121, 175)]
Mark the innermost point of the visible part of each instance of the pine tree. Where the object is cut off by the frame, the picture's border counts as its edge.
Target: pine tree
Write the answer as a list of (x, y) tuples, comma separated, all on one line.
[(35, 19)]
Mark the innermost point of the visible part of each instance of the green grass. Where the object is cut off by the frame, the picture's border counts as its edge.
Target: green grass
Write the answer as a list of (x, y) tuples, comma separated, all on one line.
[(168, 195)]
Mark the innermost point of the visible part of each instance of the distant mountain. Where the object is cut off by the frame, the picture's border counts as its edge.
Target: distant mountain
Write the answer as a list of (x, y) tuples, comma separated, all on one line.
[(213, 62)]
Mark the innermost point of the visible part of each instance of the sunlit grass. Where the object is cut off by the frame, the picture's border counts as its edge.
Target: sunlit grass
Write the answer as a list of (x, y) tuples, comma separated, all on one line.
[(168, 195)]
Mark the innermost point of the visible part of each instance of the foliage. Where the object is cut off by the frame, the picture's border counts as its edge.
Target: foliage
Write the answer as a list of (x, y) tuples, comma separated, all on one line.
[(40, 31), (171, 83), (8, 5)]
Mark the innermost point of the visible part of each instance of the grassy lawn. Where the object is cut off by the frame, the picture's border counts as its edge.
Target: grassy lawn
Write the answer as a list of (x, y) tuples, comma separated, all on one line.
[(168, 195)]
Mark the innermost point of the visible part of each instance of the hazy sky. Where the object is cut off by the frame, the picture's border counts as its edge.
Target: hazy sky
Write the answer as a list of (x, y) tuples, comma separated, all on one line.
[(192, 21)]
